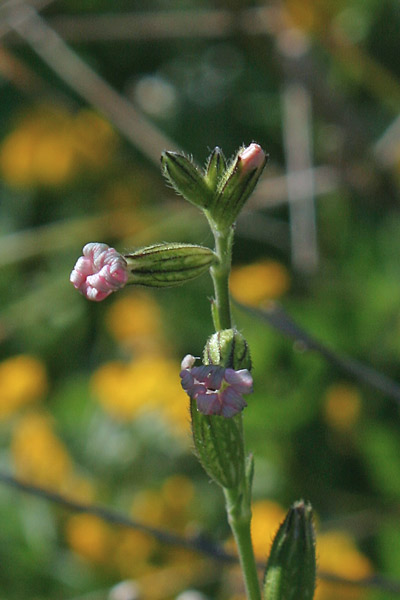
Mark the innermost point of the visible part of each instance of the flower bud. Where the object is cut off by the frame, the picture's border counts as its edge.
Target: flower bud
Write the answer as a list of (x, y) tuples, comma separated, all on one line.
[(290, 571), (227, 348), (186, 179), (99, 272), (215, 168), (238, 183), (166, 265)]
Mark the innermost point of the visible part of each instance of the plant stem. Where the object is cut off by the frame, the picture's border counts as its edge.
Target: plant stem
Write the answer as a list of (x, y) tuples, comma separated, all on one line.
[(220, 276), (238, 501), (239, 517)]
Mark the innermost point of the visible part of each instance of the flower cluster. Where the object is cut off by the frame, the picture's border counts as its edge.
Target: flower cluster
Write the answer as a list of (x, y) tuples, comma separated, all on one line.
[(217, 391), (99, 272)]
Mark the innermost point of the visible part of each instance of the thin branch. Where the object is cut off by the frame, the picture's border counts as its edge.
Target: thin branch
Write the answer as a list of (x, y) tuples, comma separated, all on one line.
[(276, 316), (272, 191), (37, 4), (60, 235), (375, 582), (386, 147), (164, 25), (297, 125), (71, 69), (204, 546)]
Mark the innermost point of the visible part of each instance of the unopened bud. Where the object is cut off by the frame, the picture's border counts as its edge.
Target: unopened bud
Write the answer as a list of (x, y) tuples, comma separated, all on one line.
[(238, 183), (229, 349), (99, 272), (215, 168), (166, 265), (186, 179), (290, 571), (252, 157)]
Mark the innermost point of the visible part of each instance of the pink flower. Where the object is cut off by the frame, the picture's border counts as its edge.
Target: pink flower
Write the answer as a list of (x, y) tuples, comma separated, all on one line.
[(252, 157), (217, 391), (99, 272)]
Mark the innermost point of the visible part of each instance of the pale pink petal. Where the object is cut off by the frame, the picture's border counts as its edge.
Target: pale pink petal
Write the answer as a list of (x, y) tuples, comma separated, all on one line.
[(252, 157), (99, 272)]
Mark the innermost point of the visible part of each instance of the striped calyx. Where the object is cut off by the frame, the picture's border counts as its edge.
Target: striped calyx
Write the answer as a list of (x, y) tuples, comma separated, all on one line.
[(169, 264)]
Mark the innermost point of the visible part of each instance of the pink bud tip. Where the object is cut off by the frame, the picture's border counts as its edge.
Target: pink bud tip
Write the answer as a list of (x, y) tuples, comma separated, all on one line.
[(99, 272), (252, 157)]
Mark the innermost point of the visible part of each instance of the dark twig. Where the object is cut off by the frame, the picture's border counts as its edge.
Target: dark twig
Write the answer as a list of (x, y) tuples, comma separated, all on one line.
[(202, 545), (276, 316), (84, 81)]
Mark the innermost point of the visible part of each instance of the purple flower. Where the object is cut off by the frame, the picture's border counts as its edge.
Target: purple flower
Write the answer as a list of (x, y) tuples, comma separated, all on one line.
[(99, 272), (217, 391)]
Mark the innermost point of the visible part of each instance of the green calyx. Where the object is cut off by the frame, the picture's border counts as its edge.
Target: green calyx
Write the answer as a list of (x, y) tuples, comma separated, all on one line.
[(219, 446), (235, 187), (186, 179), (215, 168), (291, 566), (221, 190), (227, 348), (166, 265)]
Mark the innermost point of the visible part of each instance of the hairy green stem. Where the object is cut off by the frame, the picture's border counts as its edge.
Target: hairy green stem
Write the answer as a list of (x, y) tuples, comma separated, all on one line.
[(238, 501), (220, 276), (239, 516)]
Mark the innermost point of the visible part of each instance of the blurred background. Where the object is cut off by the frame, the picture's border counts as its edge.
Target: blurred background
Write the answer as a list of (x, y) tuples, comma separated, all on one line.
[(92, 92)]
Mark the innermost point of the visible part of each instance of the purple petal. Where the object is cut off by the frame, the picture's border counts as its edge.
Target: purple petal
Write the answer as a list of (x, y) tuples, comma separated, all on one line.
[(187, 379), (209, 404), (232, 402), (215, 377), (241, 380), (201, 373)]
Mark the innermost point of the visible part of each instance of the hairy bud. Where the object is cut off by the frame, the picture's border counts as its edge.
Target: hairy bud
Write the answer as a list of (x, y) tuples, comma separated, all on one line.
[(166, 265), (186, 179), (237, 184), (291, 566)]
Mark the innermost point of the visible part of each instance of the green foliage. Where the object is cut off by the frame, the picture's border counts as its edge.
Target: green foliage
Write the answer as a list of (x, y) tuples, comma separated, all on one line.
[(106, 424)]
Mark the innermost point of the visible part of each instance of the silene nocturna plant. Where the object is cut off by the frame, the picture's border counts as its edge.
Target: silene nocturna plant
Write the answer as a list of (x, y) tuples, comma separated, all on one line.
[(218, 385)]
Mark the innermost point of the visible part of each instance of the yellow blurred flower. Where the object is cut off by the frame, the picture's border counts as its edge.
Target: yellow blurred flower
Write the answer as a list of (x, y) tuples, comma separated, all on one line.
[(39, 150), (312, 16), (51, 145), (148, 383), (267, 516), (79, 489), (342, 406), (167, 507), (90, 537), (23, 380), (135, 320), (38, 454), (338, 554), (260, 281), (132, 552), (301, 14), (93, 137)]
